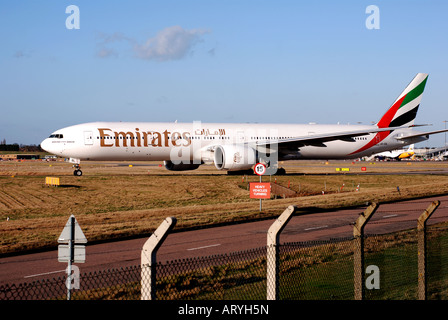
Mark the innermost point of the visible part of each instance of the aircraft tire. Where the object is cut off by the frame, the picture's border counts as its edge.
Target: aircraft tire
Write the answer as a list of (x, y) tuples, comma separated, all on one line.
[(77, 173), (281, 172)]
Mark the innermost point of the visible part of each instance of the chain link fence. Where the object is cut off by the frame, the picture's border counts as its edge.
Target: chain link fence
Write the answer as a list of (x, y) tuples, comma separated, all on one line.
[(112, 284), (318, 270), (437, 262), (235, 276)]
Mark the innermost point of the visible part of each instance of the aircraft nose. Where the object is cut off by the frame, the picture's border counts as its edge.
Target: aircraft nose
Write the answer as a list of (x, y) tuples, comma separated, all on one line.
[(46, 145)]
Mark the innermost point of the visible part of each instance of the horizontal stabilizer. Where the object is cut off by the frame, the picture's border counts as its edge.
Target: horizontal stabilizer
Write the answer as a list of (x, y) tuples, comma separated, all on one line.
[(421, 134)]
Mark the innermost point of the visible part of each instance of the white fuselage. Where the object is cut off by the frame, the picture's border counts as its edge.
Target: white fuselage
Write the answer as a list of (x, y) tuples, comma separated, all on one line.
[(161, 140)]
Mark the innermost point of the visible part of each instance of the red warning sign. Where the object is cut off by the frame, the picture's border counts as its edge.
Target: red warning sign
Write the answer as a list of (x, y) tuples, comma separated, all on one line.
[(260, 190)]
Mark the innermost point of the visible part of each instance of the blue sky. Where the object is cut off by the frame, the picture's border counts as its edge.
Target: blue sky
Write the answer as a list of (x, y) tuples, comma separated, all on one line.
[(216, 61)]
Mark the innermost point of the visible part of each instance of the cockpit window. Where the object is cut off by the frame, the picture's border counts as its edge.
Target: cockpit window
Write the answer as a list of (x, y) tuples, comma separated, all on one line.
[(57, 136)]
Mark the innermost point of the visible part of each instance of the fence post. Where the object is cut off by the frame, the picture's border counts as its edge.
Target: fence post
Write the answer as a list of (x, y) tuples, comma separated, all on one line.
[(272, 258), (358, 258), (148, 258), (422, 258)]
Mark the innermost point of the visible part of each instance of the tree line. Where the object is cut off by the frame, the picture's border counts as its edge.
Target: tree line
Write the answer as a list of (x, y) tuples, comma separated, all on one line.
[(19, 148)]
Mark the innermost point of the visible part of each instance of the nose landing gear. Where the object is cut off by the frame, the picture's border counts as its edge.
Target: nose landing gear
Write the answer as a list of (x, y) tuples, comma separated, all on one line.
[(77, 171)]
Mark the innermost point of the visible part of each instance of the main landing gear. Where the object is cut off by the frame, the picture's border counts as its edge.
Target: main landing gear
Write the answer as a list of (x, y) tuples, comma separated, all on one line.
[(77, 171)]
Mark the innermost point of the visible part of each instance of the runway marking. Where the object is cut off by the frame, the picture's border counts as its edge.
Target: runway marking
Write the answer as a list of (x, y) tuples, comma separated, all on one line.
[(44, 274), (204, 247), (315, 228), (390, 216)]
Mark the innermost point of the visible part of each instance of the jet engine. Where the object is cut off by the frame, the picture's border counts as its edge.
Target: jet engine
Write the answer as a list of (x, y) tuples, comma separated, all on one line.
[(169, 165), (234, 157)]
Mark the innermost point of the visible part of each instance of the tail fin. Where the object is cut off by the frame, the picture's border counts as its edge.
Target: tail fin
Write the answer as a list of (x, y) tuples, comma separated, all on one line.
[(404, 110)]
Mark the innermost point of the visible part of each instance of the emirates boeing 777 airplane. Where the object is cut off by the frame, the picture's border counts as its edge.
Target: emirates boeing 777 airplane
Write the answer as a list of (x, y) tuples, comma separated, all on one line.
[(236, 147)]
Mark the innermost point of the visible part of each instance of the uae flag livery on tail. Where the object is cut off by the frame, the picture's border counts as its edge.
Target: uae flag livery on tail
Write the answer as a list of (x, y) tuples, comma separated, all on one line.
[(402, 112)]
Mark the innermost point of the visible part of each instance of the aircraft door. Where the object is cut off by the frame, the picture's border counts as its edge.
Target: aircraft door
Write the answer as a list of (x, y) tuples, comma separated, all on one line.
[(88, 138)]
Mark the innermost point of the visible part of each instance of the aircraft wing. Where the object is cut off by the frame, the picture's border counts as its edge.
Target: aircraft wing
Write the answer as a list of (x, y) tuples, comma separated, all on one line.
[(319, 139)]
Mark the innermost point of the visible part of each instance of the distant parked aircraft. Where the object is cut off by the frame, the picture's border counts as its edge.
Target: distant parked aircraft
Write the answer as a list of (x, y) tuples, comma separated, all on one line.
[(396, 154)]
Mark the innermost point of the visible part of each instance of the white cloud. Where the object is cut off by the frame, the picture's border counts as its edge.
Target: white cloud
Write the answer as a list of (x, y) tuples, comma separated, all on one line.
[(104, 42), (104, 52), (172, 43), (20, 54)]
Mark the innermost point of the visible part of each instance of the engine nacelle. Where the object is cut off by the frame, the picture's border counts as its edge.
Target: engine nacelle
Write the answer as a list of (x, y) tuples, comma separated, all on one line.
[(169, 165), (234, 157)]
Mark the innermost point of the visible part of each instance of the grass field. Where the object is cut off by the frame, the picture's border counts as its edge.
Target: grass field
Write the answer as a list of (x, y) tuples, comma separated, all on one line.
[(115, 200)]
